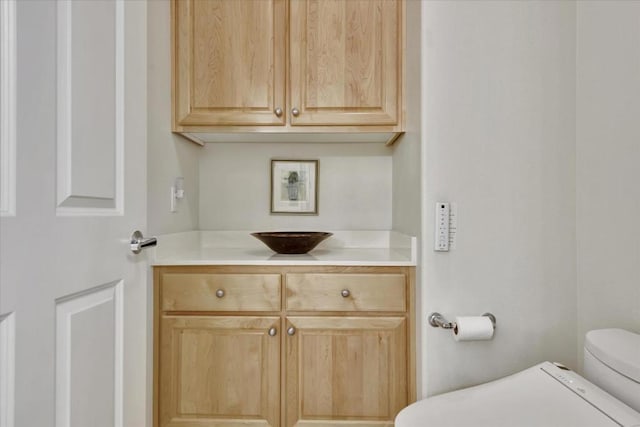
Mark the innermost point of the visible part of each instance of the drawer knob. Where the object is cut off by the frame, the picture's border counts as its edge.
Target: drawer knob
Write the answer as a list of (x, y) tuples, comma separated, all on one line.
[(295, 112), (291, 331), (220, 293), (345, 293), (272, 332)]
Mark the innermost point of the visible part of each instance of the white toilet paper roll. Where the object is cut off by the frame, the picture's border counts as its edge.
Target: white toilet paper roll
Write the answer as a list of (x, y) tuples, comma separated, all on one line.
[(473, 328)]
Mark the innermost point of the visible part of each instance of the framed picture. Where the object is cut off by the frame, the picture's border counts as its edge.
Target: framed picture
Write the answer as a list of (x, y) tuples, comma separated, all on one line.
[(294, 187)]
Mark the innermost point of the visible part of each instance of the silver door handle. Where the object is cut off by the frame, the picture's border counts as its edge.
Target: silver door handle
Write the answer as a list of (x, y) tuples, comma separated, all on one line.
[(138, 242)]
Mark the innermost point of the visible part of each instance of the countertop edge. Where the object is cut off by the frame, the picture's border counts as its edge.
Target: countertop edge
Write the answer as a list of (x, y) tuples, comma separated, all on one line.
[(352, 248)]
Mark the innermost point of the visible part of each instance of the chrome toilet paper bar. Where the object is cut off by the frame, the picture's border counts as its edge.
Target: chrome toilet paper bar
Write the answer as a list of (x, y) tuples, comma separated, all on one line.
[(437, 320)]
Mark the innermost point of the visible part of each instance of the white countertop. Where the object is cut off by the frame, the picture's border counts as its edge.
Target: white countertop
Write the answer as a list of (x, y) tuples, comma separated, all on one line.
[(347, 248)]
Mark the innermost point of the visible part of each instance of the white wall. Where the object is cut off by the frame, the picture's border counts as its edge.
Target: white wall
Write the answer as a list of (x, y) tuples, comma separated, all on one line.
[(406, 154), (354, 186), (407, 190), (169, 155), (608, 166), (499, 132)]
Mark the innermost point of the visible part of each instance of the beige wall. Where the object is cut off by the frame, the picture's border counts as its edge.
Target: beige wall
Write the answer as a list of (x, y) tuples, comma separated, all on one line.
[(169, 155), (354, 186), (608, 166), (499, 140)]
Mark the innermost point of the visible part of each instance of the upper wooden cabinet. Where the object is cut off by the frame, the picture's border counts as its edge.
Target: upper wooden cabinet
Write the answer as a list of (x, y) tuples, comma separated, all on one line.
[(344, 62), (229, 62), (288, 66)]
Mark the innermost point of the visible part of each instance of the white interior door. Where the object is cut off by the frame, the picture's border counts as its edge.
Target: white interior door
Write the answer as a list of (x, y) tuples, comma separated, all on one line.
[(73, 297)]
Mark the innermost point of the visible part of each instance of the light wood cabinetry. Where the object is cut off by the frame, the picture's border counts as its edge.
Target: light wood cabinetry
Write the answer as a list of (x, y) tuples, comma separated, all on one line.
[(218, 370), (345, 370), (229, 62), (220, 292), (345, 62), (287, 66), (346, 292), (282, 346)]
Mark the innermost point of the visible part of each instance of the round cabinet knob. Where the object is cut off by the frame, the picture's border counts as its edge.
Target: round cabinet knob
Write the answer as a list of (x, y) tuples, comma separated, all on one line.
[(295, 112), (345, 293), (291, 331), (220, 293), (272, 332), (278, 112)]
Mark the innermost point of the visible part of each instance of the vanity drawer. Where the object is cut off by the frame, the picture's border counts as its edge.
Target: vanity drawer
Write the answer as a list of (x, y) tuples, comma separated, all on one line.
[(220, 292), (346, 292)]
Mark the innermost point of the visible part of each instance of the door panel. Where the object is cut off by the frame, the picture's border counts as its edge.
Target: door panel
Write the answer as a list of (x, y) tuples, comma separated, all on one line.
[(7, 369), (345, 371), (90, 107), (345, 62), (230, 62), (216, 371), (89, 337), (8, 102)]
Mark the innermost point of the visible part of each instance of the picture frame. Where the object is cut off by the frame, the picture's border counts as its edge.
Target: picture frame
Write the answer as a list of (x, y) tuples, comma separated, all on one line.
[(294, 187)]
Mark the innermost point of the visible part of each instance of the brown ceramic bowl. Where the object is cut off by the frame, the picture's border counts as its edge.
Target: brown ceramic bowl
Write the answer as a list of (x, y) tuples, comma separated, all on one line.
[(291, 242)]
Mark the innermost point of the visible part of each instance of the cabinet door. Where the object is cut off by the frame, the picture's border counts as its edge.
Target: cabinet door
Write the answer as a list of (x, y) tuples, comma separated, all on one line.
[(346, 62), (229, 62), (219, 371), (349, 371)]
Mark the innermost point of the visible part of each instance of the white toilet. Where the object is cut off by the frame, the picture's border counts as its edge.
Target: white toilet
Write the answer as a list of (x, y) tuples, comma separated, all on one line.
[(548, 395)]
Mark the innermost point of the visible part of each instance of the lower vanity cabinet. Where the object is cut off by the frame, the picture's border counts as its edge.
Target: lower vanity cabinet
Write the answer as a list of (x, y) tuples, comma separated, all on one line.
[(282, 346), (345, 371), (219, 370)]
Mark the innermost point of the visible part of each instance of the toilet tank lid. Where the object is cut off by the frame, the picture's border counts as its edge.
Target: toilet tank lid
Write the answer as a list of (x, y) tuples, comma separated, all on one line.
[(618, 349)]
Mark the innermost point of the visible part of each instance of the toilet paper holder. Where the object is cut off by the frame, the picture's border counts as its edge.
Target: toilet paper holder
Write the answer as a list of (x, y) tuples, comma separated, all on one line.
[(437, 320)]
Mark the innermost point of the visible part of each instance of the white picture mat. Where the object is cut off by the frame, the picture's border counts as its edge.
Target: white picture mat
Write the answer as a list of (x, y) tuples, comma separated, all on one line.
[(305, 186)]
